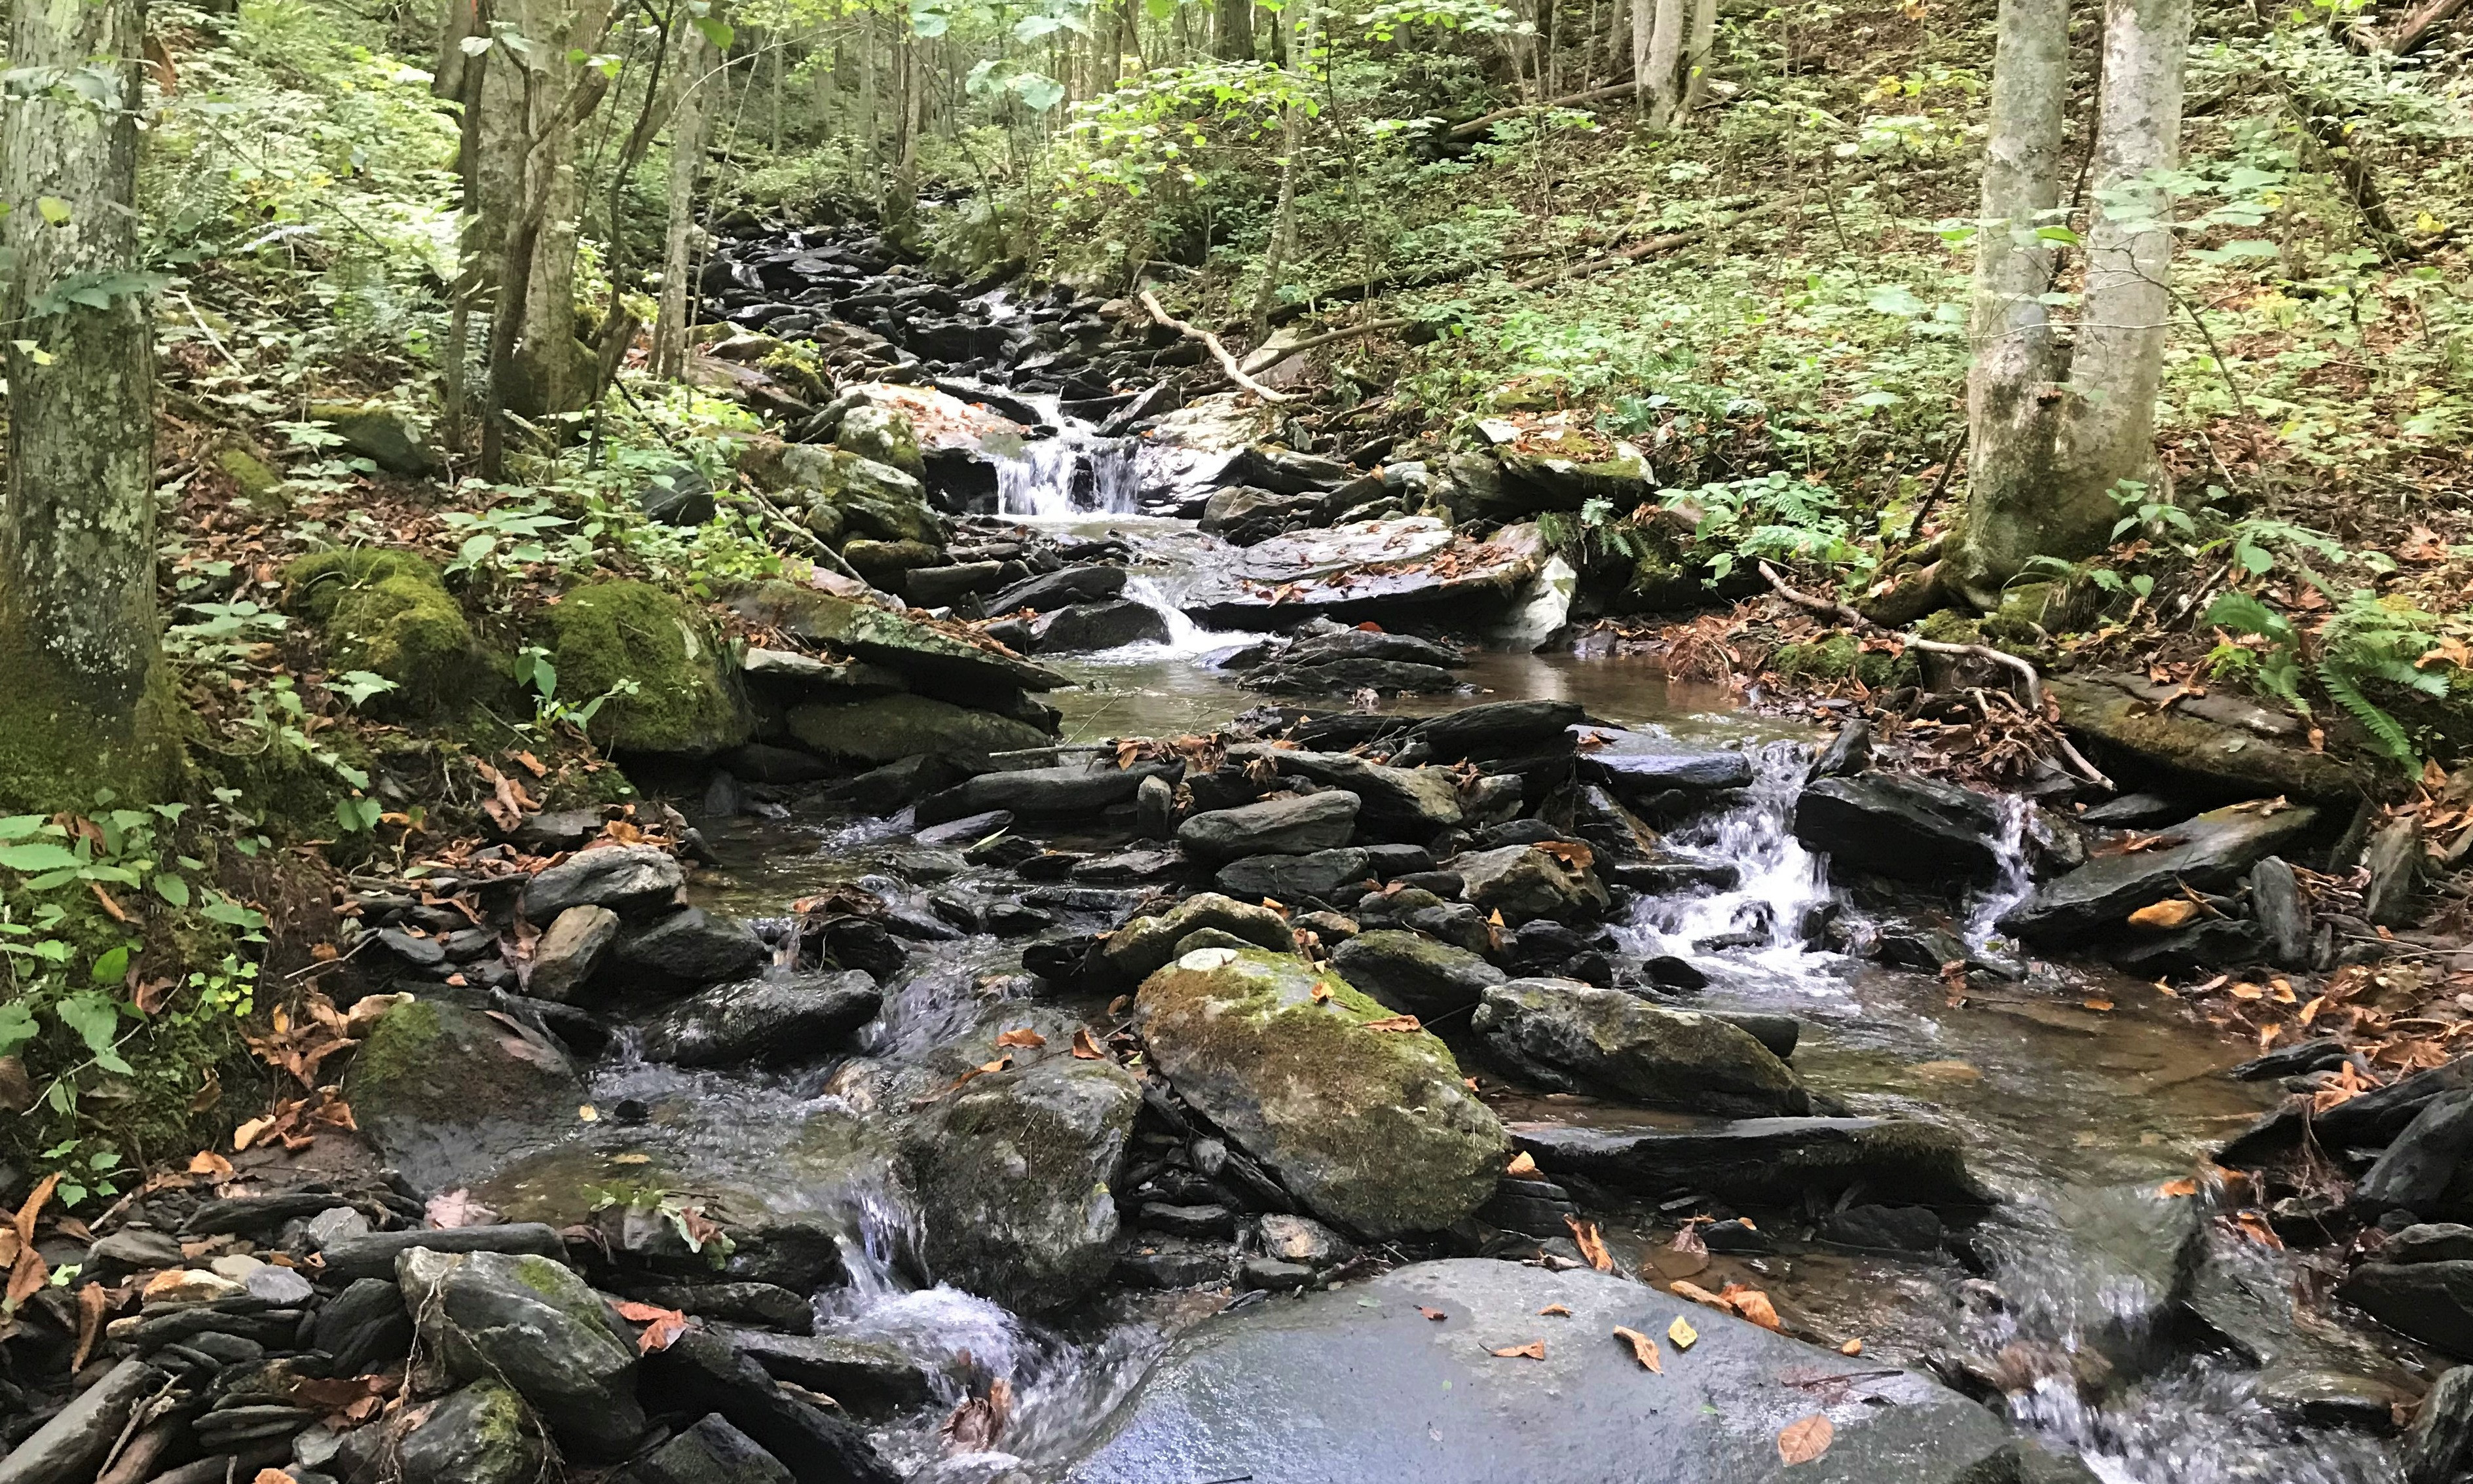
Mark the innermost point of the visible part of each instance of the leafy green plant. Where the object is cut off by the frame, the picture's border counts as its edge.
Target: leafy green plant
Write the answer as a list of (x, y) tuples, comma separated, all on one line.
[(538, 673), (2369, 640)]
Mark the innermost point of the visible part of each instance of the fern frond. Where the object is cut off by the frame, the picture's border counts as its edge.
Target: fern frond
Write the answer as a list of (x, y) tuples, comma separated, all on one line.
[(2387, 729)]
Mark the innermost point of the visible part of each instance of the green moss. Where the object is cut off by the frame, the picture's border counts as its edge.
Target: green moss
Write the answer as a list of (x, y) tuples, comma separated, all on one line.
[(59, 743), (257, 481), (884, 436), (387, 612), (1949, 626), (1840, 656), (687, 702)]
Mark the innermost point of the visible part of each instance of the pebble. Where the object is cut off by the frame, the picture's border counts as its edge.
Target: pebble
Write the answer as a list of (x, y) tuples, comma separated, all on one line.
[(188, 1286), (278, 1285)]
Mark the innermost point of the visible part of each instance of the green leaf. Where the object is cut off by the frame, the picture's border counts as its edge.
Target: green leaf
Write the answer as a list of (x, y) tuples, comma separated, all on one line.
[(54, 210), (111, 968), (17, 826), (37, 855), (171, 889), (718, 32), (16, 1025), (91, 1017)]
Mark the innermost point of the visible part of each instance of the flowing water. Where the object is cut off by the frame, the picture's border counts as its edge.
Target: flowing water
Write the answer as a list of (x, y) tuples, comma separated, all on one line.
[(2074, 1096)]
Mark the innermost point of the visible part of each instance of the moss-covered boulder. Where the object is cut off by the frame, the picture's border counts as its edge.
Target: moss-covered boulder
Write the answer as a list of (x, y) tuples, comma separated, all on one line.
[(444, 1092), (1369, 1125), (258, 482), (387, 612), (1143, 946), (687, 702), (884, 435), (886, 564), (482, 1434), (872, 499), (1839, 656), (2220, 743), (385, 436), (1012, 1170), (1576, 1037), (529, 1322), (883, 728)]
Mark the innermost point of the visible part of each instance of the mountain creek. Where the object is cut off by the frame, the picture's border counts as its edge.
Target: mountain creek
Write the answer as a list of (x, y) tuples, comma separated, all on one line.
[(1285, 1010)]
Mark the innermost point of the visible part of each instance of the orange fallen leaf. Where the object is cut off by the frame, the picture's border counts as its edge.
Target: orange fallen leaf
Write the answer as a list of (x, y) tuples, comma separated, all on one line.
[(2310, 1011), (1642, 1348), (2165, 916), (272, 1476), (2098, 1004), (1555, 1312), (2178, 1189), (662, 1326), (1434, 1314), (1024, 1038), (1321, 991), (2247, 990), (1851, 1348), (93, 1300), (208, 1162), (2281, 990), (1521, 1166), (1534, 1349), (1802, 1442), (1393, 1023), (2254, 1226), (1584, 1235), (1751, 1303), (1085, 1049)]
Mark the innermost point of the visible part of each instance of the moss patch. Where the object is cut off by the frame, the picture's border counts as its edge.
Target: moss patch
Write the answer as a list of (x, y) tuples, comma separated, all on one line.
[(1840, 656), (387, 612), (685, 704)]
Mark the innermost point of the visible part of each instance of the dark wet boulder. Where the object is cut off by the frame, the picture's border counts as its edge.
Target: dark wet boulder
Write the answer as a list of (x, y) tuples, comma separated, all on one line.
[(687, 950), (2220, 744), (1331, 677), (702, 1372), (1287, 877), (2418, 1172), (1770, 1160), (441, 1090), (1525, 882), (566, 956), (1371, 1128), (1415, 974), (1497, 727), (1635, 776), (2211, 943), (1283, 824), (1107, 625), (2208, 854), (1914, 829), (712, 1452), (1012, 1168), (2439, 1450), (630, 880), (1067, 791), (1060, 588), (2371, 1120), (1363, 1384), (480, 1434), (1576, 1037), (2430, 1302), (863, 1375), (2430, 1241), (1849, 752), (783, 1018), (885, 728), (1416, 802), (377, 1253), (530, 1323)]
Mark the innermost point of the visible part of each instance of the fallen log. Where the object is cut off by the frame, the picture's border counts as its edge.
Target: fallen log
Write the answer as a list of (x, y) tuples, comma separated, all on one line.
[(1211, 343)]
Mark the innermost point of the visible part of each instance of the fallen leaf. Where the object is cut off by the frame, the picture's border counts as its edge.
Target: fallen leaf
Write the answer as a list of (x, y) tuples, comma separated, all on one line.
[(1802, 1442), (457, 1208), (1682, 1334), (2281, 991), (2310, 1011), (1085, 1049), (1534, 1349), (1434, 1314), (1522, 1167), (2165, 916), (212, 1165), (1024, 1038), (94, 1301), (983, 1069), (1393, 1023), (662, 1326), (975, 1425), (2099, 1005), (2247, 990), (248, 1133), (1642, 1348), (1555, 1312), (2254, 1226), (2178, 1189), (1687, 1239), (1321, 991), (1584, 1235), (588, 1112), (1851, 1348), (272, 1476), (1752, 1305)]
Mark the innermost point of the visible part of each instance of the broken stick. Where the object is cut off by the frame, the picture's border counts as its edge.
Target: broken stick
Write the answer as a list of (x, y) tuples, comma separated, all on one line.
[(1211, 343)]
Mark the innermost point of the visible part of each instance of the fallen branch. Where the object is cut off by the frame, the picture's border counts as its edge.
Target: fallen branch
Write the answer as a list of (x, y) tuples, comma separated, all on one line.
[(1211, 343), (1646, 247), (1273, 352), (1417, 279), (1484, 123), (2417, 27)]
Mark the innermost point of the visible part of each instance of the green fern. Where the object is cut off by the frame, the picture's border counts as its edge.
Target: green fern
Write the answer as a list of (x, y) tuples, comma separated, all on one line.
[(2387, 729)]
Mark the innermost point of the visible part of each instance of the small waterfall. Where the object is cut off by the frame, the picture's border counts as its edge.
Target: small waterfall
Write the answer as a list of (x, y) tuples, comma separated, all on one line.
[(1782, 883), (1185, 636), (2014, 882), (1077, 472)]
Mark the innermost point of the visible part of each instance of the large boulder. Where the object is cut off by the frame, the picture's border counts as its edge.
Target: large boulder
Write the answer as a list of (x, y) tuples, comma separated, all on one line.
[(1063, 588), (1497, 727), (1414, 975), (530, 1323), (1915, 830), (1285, 824), (1769, 1160), (2220, 743), (712, 1452), (687, 700), (1144, 945), (881, 728), (1395, 570), (1577, 1037), (1286, 877), (1094, 625), (1392, 1378), (1012, 1167), (785, 1019), (443, 1092), (387, 612), (1526, 882), (1069, 791), (1371, 1128), (479, 1434), (687, 950), (943, 660), (385, 436), (2210, 854), (2432, 1301)]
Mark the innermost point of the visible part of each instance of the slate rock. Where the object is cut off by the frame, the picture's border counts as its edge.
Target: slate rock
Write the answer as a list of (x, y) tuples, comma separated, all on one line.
[(1884, 1228), (570, 951), (444, 1091), (1849, 752), (1641, 776), (1146, 944), (1914, 829), (365, 1325), (2435, 1241), (1415, 802), (2282, 912), (779, 1018), (2209, 853), (2414, 1172), (1284, 879), (2439, 1450), (862, 1374), (1525, 883), (1074, 791), (712, 1452), (1287, 824), (1497, 727), (1413, 974), (1577, 1037), (631, 880), (702, 1372), (687, 950), (764, 1306), (530, 1322), (1094, 625), (2430, 1302), (1767, 1160), (1060, 588), (480, 1434)]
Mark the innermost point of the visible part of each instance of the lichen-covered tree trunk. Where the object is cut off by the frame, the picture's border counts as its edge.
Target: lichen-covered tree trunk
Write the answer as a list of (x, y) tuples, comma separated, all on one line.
[(1643, 32), (2012, 399), (1699, 51), (686, 155), (84, 700), (1665, 61)]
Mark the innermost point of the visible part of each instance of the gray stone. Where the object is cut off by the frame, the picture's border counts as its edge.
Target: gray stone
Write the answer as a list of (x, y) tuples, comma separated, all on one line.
[(1643, 775), (1497, 727), (570, 951), (2414, 1172), (1884, 1228), (861, 1374), (376, 1254), (1915, 830), (2430, 1302), (630, 880), (443, 1092), (1287, 824), (482, 1434), (1074, 791), (1146, 944), (1060, 588), (133, 1250), (712, 1452), (1359, 1384), (2370, 1121), (70, 1445), (700, 1372), (1301, 1239), (1414, 975), (2434, 1241), (767, 1306), (2283, 913), (782, 1018), (1576, 1037), (334, 1224), (1767, 1160), (1287, 877), (529, 1322), (2394, 859), (1155, 809), (364, 1326), (1849, 752), (687, 950), (279, 1286), (1109, 624), (1414, 801), (2439, 1447), (1525, 883), (2208, 854)]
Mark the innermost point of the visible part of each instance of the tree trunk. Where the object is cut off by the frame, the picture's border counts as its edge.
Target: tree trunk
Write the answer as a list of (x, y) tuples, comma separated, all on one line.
[(687, 153), (86, 702), (1665, 61), (1699, 53), (1283, 217), (1233, 39), (1643, 31)]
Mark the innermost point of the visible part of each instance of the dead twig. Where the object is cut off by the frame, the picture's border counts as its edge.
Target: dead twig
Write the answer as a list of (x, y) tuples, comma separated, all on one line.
[(1211, 343), (1273, 352)]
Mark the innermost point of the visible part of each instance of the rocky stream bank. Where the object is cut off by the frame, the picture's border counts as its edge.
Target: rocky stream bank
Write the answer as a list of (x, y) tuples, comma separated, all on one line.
[(1150, 976)]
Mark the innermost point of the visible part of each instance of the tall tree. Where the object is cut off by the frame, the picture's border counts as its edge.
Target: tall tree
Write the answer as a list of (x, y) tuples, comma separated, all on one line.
[(1664, 60), (85, 700), (686, 155), (2055, 428), (1233, 35)]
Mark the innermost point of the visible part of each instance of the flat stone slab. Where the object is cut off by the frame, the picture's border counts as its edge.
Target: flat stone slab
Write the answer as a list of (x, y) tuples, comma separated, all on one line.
[(1900, 1161), (1364, 568)]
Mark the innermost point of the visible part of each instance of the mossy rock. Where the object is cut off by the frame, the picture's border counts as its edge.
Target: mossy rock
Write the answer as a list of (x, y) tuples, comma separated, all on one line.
[(387, 612), (258, 483), (385, 436), (796, 367), (444, 1091), (885, 564), (686, 702), (874, 501), (883, 435), (936, 660), (1372, 1129), (1841, 656), (881, 728)]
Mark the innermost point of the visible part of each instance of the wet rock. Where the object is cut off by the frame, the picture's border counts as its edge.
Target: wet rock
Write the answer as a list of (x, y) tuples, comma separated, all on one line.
[(1193, 1221), (440, 1090), (712, 1452), (1413, 974), (1779, 1032), (1012, 1168), (2414, 1172), (2430, 1302), (1370, 1130), (1411, 801), (785, 1019), (862, 1374), (1274, 1275), (2220, 742), (2211, 943), (2394, 860), (1576, 1037), (2439, 1447), (1301, 1239), (1288, 825), (630, 880), (1392, 570), (365, 1325), (1497, 727), (688, 948), (2435, 1241), (1287, 877), (700, 1372), (1155, 809), (481, 1434), (1073, 791), (1914, 829), (1243, 515), (1884, 1228), (1674, 876), (1061, 588), (132, 1249), (2370, 1121), (1636, 776), (1090, 626), (1849, 752), (1145, 945), (74, 1441), (940, 662), (2283, 914), (1336, 676), (532, 1323), (567, 955), (1342, 1386), (882, 729), (376, 1253), (764, 1306), (1767, 1160), (942, 587), (1525, 883), (2207, 853)]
